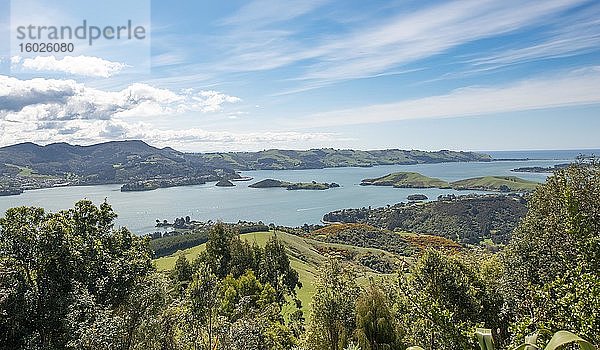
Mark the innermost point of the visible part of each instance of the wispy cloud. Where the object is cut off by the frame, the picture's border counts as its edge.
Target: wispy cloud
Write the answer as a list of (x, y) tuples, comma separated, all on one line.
[(262, 13), (575, 34), (375, 48), (578, 87)]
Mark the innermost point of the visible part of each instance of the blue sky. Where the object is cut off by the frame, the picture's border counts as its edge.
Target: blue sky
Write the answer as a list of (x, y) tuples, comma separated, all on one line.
[(248, 75)]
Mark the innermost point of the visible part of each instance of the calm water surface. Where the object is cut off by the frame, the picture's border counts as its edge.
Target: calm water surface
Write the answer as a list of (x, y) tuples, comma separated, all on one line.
[(139, 210)]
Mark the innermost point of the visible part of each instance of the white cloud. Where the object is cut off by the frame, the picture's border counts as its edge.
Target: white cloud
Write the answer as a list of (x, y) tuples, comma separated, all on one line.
[(574, 88), (77, 65), (55, 99), (51, 110)]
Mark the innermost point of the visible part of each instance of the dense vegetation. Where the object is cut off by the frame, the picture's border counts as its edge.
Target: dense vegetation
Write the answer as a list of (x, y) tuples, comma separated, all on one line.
[(362, 235), (69, 280), (466, 219)]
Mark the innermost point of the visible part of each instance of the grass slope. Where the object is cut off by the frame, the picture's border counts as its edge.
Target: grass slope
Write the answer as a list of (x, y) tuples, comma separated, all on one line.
[(306, 255), (496, 183)]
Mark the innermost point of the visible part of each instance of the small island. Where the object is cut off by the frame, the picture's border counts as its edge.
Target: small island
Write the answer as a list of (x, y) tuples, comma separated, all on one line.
[(270, 183), (485, 183), (417, 197), (539, 169), (10, 191), (152, 184), (406, 180), (224, 183)]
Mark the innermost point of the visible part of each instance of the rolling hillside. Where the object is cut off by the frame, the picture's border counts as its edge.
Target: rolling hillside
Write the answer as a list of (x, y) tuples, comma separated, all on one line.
[(496, 183), (330, 158), (308, 253)]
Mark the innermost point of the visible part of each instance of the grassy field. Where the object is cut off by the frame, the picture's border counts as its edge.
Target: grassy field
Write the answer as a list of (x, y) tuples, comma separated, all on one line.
[(28, 172), (407, 180), (305, 257), (494, 183)]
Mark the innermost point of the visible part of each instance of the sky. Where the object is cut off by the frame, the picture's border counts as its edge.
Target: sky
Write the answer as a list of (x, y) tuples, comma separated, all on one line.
[(259, 74)]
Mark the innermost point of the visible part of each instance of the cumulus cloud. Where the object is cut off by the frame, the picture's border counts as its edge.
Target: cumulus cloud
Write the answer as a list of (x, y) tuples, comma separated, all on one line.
[(51, 110), (55, 99), (77, 65)]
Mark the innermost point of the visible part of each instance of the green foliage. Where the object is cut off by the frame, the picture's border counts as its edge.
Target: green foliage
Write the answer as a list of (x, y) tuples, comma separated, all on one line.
[(443, 299), (276, 270), (57, 267), (218, 252), (168, 245), (464, 219), (552, 264), (182, 273), (203, 306), (559, 340), (333, 308), (375, 326)]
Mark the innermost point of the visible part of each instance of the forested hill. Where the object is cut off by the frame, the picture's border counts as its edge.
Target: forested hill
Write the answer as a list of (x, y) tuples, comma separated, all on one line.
[(329, 158), (467, 219), (109, 162)]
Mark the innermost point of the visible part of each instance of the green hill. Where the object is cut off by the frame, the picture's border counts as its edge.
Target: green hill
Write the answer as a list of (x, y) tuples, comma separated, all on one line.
[(406, 179), (496, 183), (329, 158), (306, 255)]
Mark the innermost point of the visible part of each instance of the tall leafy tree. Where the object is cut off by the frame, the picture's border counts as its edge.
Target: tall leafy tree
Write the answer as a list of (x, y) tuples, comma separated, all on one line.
[(552, 264), (375, 321), (202, 295), (218, 250), (443, 299), (276, 270), (333, 308)]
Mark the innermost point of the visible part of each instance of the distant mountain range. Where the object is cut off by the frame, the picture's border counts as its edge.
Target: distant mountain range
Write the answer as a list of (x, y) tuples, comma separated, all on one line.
[(28, 165)]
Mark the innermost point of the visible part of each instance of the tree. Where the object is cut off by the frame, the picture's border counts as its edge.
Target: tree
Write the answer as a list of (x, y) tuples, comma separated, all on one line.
[(202, 295), (443, 299), (552, 264), (243, 257), (333, 308), (375, 326), (276, 270), (182, 273), (51, 261), (218, 253)]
